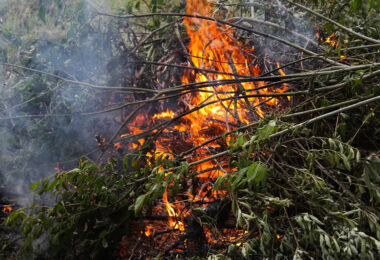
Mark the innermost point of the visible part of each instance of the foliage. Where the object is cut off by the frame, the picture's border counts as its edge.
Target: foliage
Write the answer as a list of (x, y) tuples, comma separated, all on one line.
[(94, 206), (296, 206)]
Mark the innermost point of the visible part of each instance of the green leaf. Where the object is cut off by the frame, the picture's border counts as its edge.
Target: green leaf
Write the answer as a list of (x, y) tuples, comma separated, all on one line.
[(219, 182), (34, 185), (55, 239), (137, 5), (125, 164), (268, 129), (139, 203), (104, 243), (42, 14), (251, 169), (356, 4), (346, 162), (261, 173)]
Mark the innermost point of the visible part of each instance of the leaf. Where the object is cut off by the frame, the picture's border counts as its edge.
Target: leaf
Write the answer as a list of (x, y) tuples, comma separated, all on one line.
[(52, 184), (251, 169), (327, 239), (139, 203), (261, 173), (219, 182), (55, 239), (125, 164), (356, 4), (42, 14), (137, 5), (104, 243), (34, 185), (266, 130), (316, 220), (44, 186), (346, 162), (136, 164)]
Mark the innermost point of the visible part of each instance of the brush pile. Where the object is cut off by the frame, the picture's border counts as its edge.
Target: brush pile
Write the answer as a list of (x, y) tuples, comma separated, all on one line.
[(243, 131)]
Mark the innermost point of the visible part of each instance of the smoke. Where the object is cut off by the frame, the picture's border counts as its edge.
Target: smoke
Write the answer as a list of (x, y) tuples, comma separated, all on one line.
[(283, 21), (41, 121)]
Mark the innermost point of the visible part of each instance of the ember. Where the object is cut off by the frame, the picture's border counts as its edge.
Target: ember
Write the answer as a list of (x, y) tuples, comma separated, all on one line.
[(331, 40), (7, 209), (148, 230)]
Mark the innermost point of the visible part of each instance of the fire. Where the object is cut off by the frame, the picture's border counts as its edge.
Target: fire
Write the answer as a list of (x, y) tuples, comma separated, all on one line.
[(7, 209), (332, 40), (212, 47), (173, 217), (117, 145), (285, 86), (166, 114), (148, 230)]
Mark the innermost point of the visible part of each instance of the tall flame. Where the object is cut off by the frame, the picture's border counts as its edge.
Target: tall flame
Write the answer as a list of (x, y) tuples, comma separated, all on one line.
[(216, 55), (214, 47), (173, 216)]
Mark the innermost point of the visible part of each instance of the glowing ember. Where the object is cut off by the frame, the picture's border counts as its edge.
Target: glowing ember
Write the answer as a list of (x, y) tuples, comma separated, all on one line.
[(280, 237), (148, 230), (57, 168), (330, 40), (117, 145), (7, 209)]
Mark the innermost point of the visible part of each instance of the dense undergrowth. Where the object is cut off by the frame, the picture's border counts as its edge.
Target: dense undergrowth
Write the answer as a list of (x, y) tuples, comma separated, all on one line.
[(305, 183)]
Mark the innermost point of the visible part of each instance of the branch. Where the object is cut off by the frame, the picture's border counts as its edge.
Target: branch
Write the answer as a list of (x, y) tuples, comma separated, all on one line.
[(80, 82), (221, 22), (349, 30), (305, 123)]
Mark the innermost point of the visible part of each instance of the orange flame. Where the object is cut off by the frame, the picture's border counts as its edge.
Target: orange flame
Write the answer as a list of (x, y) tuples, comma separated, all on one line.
[(173, 216), (117, 145), (330, 40), (7, 209), (163, 115), (214, 47), (148, 230)]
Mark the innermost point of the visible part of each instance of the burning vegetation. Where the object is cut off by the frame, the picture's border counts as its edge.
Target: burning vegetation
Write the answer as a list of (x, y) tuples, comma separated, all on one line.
[(212, 143), (215, 55)]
